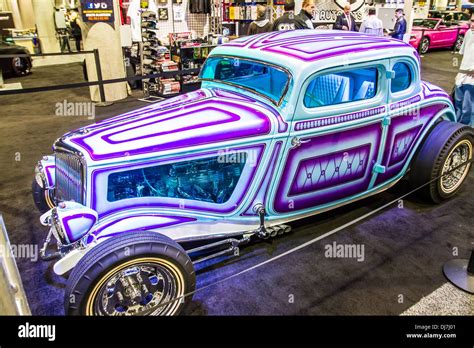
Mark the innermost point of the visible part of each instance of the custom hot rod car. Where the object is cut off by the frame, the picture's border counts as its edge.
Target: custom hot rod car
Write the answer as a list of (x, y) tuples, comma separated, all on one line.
[(286, 125), (437, 33)]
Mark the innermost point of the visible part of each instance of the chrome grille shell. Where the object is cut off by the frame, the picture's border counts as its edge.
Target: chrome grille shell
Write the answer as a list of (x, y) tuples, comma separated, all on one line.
[(70, 174)]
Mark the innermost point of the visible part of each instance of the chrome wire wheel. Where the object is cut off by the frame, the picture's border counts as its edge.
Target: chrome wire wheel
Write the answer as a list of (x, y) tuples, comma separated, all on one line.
[(455, 171), (145, 286)]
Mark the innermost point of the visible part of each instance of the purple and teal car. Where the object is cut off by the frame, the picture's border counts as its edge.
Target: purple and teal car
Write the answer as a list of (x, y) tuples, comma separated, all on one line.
[(285, 126)]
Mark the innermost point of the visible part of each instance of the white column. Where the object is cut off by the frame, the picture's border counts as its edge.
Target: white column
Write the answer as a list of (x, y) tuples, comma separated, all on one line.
[(44, 15), (27, 13), (106, 39), (16, 14), (409, 14)]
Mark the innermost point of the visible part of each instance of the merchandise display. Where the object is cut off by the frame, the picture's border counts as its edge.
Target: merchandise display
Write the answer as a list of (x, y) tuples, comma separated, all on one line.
[(278, 131)]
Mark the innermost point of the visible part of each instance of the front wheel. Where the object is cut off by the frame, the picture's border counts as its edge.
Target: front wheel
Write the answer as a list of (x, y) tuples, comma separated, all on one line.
[(20, 66), (444, 161), (43, 198), (424, 45), (137, 273)]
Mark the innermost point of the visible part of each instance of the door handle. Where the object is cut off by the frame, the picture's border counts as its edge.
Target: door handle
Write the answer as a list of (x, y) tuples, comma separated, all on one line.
[(296, 142)]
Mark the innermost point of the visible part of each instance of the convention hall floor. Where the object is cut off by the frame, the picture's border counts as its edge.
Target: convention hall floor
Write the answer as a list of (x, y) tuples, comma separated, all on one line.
[(405, 248)]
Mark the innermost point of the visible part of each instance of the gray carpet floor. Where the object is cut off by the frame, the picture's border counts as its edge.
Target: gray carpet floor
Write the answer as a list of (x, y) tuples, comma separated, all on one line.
[(405, 248)]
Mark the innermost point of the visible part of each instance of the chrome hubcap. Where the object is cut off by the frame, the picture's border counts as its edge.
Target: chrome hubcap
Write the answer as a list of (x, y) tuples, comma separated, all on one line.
[(453, 165), (424, 45), (138, 290)]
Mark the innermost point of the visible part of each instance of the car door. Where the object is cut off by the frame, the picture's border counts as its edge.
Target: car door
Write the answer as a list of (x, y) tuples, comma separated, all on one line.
[(335, 139), (447, 34), (408, 119)]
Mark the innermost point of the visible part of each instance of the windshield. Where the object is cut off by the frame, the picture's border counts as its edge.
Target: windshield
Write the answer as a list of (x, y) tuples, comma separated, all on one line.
[(426, 23), (262, 78)]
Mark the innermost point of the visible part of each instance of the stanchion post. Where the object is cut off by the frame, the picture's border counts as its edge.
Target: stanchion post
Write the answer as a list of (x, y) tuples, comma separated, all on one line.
[(99, 75)]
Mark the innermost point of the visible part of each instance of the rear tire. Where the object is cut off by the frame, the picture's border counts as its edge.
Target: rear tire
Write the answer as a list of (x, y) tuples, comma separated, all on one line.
[(447, 146), (457, 45), (131, 274)]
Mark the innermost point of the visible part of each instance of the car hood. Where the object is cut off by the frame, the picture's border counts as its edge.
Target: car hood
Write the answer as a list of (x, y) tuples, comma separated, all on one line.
[(8, 48), (194, 120)]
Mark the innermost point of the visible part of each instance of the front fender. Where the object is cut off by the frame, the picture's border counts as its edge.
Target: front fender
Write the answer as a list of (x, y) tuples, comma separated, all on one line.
[(45, 172)]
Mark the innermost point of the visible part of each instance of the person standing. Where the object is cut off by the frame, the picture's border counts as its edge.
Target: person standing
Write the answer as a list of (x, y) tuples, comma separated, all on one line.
[(400, 28), (261, 24), (288, 21), (306, 14), (76, 31), (346, 21), (372, 25), (464, 88)]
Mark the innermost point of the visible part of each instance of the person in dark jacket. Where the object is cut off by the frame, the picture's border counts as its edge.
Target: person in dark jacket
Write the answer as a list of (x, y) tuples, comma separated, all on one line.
[(306, 14), (76, 32), (346, 21), (262, 24), (400, 25), (288, 21)]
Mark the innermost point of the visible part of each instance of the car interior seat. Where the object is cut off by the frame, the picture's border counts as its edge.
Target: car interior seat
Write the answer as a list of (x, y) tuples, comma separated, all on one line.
[(327, 90)]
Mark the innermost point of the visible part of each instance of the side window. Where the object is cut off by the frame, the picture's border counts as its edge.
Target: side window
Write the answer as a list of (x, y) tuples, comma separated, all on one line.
[(210, 180), (402, 79), (341, 87)]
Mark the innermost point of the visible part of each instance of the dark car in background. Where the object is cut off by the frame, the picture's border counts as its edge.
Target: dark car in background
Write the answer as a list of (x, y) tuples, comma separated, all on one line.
[(16, 66), (451, 16)]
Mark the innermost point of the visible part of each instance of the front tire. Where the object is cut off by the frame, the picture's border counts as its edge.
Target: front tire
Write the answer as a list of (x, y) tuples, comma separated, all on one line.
[(137, 273), (424, 45), (43, 199), (446, 148), (20, 66)]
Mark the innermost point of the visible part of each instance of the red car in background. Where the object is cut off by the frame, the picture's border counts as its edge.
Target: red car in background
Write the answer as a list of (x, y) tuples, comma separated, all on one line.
[(437, 33)]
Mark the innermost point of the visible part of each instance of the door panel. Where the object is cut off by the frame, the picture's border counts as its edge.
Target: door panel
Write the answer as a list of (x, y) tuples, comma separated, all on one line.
[(326, 168)]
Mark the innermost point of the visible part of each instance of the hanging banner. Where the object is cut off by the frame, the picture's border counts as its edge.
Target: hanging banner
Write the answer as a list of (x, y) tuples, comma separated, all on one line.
[(97, 11)]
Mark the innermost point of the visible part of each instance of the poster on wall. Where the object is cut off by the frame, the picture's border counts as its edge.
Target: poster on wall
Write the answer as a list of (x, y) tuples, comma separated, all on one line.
[(97, 11), (178, 13), (162, 14)]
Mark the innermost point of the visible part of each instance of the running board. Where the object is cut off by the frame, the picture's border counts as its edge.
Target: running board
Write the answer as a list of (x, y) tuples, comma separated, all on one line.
[(231, 245)]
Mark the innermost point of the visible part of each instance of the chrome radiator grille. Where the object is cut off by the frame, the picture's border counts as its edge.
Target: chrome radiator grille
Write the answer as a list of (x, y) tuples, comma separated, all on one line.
[(69, 177)]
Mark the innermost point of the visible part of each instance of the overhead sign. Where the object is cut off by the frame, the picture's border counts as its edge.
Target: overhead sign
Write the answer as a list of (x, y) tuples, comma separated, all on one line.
[(97, 10), (327, 11)]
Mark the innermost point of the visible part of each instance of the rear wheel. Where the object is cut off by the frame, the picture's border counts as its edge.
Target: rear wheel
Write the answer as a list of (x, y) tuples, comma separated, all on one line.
[(440, 162), (138, 273), (424, 45), (457, 45)]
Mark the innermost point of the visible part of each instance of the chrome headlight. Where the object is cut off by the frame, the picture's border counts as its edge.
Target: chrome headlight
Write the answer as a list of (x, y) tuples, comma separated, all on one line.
[(71, 221)]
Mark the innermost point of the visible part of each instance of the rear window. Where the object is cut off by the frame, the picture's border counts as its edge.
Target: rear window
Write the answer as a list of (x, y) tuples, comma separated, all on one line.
[(402, 79)]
